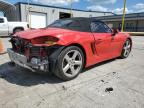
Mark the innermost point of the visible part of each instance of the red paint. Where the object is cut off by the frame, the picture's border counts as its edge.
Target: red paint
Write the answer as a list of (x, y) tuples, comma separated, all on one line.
[(98, 46)]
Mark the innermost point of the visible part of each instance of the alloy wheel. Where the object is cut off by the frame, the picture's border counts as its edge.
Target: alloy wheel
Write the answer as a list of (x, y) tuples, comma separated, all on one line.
[(126, 48), (72, 63)]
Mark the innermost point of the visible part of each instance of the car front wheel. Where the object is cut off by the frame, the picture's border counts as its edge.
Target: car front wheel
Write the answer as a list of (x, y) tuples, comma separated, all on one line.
[(70, 63), (126, 49)]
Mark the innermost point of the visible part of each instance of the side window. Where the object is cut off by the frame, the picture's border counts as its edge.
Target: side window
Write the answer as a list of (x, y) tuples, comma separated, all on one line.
[(100, 27), (1, 20), (74, 24)]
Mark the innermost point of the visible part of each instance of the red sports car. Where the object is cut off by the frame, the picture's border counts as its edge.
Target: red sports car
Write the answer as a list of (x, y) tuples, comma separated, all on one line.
[(67, 46)]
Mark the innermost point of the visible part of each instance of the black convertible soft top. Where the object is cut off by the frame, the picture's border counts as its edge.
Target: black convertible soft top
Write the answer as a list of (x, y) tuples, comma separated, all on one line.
[(77, 24)]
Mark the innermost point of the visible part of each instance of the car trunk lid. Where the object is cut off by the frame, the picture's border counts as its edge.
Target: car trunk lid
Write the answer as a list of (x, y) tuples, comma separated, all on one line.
[(30, 34)]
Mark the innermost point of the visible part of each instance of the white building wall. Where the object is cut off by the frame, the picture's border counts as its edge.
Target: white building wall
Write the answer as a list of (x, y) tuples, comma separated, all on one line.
[(53, 13)]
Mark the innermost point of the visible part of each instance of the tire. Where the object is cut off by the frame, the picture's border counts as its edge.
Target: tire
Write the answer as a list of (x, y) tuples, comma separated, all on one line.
[(17, 30), (70, 63), (126, 49)]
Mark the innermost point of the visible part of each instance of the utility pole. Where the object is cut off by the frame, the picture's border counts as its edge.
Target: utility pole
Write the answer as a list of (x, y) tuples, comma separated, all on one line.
[(29, 16), (123, 17), (71, 8)]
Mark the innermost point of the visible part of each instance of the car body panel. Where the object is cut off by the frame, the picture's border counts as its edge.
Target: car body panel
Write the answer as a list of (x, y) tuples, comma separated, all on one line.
[(97, 47), (102, 45), (107, 46), (66, 38)]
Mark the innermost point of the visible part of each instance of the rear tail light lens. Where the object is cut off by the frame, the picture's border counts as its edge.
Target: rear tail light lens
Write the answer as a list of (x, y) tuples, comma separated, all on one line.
[(45, 40)]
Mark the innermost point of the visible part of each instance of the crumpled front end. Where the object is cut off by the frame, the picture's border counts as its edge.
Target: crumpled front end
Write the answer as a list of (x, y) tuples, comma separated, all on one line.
[(34, 64), (27, 55)]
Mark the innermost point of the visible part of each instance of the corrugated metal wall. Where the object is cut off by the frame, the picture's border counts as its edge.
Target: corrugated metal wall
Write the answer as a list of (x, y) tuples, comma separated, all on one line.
[(134, 22), (9, 10), (12, 14)]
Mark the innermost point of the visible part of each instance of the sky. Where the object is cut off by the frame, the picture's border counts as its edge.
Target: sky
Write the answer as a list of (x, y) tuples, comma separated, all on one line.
[(115, 6)]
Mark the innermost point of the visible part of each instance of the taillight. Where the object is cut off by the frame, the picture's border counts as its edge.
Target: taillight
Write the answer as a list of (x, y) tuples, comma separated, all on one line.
[(50, 40)]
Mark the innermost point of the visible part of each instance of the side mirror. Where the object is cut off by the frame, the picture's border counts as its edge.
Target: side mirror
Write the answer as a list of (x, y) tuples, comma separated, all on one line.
[(114, 32)]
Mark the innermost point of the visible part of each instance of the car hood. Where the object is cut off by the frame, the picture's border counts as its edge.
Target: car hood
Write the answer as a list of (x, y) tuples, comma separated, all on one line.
[(30, 34)]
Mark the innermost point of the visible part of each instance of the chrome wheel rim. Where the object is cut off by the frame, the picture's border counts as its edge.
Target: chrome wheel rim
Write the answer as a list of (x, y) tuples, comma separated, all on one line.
[(72, 63), (127, 48)]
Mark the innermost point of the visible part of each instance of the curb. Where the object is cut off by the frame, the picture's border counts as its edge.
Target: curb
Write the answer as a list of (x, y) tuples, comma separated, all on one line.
[(135, 33)]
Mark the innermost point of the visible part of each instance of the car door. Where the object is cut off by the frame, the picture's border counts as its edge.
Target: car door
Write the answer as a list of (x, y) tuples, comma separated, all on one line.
[(116, 44), (103, 37), (3, 27)]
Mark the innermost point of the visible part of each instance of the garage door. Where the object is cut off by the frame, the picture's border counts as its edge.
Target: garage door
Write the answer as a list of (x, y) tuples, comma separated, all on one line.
[(38, 20)]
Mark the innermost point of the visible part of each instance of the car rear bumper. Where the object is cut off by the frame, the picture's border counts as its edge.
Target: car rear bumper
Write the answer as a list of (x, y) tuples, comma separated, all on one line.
[(22, 61)]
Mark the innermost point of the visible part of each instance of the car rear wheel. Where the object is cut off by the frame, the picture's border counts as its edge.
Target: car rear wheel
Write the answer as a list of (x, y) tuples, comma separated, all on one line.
[(126, 49), (70, 63)]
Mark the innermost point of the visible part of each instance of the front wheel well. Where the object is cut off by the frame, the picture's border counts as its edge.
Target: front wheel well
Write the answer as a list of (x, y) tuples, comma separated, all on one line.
[(83, 50)]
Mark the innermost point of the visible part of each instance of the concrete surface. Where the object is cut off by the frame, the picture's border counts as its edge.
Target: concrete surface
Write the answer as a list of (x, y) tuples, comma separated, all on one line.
[(20, 88)]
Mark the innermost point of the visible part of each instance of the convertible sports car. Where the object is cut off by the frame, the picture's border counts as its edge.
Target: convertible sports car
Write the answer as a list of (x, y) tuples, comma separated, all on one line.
[(67, 46)]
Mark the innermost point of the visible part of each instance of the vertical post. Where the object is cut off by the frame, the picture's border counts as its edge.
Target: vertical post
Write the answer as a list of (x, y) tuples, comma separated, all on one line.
[(28, 11), (123, 17), (29, 16), (71, 8)]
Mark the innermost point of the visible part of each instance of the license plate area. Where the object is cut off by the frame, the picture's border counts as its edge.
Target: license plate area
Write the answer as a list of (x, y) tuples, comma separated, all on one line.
[(16, 57)]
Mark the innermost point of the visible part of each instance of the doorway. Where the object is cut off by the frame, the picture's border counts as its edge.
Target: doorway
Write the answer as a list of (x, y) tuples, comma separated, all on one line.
[(38, 20), (64, 15)]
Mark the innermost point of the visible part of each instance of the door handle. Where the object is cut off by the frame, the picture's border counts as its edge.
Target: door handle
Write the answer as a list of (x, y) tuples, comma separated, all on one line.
[(112, 38), (99, 39)]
